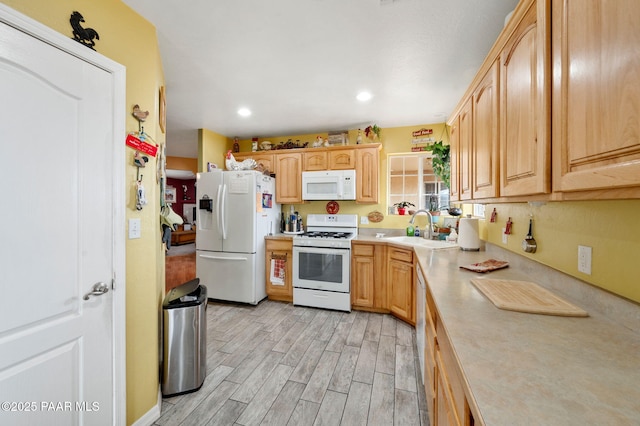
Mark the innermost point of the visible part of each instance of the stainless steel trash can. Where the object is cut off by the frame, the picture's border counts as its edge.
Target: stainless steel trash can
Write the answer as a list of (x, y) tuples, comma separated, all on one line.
[(184, 338)]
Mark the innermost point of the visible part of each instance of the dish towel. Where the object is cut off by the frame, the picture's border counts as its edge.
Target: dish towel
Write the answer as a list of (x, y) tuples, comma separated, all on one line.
[(277, 271)]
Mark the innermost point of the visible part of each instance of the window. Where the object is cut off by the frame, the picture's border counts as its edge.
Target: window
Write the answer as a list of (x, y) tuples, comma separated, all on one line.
[(411, 179)]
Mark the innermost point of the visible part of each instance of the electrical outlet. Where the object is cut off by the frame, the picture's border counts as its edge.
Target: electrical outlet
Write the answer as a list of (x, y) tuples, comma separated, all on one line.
[(584, 259), (504, 236), (134, 228), (364, 220)]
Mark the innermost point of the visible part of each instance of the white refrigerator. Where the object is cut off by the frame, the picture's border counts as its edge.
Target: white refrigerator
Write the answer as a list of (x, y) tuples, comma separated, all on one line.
[(235, 211)]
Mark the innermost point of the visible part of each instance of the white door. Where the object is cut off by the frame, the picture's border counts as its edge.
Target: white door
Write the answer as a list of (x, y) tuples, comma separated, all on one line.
[(58, 216)]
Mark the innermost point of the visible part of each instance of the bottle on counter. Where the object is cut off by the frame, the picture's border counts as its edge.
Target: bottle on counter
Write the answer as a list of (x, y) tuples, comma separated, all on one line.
[(416, 231), (410, 230)]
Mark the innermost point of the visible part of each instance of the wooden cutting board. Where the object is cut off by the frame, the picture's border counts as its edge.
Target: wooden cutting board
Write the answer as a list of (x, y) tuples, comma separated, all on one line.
[(525, 296)]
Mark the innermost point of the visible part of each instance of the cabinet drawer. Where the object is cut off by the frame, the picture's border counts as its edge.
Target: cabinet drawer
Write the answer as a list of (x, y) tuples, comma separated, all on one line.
[(402, 255), (279, 245), (362, 250)]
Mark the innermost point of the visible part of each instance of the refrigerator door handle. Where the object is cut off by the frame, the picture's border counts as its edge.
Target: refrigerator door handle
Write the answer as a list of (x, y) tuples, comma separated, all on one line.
[(223, 207), (205, 256), (219, 222)]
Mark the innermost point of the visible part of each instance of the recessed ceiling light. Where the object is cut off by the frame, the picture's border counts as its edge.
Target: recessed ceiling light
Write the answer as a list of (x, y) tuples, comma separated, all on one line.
[(244, 112), (364, 96)]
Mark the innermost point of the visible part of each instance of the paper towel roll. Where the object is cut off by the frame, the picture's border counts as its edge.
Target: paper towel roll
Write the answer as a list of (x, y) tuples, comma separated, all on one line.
[(468, 235)]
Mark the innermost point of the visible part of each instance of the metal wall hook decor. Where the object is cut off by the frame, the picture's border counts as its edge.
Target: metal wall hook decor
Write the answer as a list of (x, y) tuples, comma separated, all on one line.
[(82, 35)]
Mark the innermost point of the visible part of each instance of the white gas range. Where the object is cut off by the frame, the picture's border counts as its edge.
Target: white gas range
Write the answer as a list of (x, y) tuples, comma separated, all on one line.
[(322, 262)]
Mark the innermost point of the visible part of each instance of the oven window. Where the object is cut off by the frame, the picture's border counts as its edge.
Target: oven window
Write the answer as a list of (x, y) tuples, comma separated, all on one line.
[(320, 267)]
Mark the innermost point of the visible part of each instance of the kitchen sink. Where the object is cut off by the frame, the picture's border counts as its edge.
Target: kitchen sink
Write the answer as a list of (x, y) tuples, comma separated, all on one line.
[(422, 242)]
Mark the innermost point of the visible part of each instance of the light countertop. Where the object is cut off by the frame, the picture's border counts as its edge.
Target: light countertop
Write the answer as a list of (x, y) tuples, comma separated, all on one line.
[(525, 369)]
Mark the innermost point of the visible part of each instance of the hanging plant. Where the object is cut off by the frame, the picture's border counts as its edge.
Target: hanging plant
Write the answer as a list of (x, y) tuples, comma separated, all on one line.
[(441, 161)]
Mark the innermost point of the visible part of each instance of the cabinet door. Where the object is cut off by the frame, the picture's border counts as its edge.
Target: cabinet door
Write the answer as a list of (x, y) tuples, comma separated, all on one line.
[(596, 96), (524, 107), (315, 161), (400, 281), (343, 159), (465, 137), (288, 178), (265, 161), (278, 255), (484, 166), (367, 165), (362, 279)]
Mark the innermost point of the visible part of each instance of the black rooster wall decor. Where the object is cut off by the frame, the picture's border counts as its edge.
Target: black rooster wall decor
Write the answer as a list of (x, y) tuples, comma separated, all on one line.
[(83, 36)]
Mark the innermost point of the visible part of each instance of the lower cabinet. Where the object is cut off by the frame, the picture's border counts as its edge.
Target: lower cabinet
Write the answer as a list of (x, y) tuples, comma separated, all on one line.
[(444, 384), (278, 280), (368, 284), (400, 280)]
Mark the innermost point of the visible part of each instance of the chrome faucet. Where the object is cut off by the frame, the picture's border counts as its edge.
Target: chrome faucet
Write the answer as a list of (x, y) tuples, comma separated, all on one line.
[(430, 230)]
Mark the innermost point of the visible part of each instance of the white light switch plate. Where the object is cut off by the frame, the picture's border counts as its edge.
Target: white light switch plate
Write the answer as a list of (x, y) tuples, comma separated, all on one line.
[(364, 220), (134, 228), (504, 236)]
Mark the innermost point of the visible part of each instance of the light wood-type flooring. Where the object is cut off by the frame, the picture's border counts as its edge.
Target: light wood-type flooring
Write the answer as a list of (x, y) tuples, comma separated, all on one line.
[(279, 364)]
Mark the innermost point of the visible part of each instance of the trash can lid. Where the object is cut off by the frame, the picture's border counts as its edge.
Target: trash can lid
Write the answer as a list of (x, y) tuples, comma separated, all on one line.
[(189, 291)]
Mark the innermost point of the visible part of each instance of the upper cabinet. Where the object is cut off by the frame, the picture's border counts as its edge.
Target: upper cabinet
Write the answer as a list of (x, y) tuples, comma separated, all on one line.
[(485, 154), (288, 180), (288, 165), (525, 150), (564, 65), (367, 177), (596, 98)]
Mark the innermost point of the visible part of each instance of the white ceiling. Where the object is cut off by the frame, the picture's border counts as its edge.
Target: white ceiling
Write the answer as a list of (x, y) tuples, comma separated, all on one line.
[(298, 64)]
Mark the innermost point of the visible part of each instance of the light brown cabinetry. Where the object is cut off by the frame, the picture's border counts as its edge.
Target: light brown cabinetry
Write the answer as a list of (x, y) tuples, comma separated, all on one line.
[(368, 284), (596, 98), (264, 160), (484, 152), (500, 133), (314, 161), (524, 105), (400, 282), (444, 384), (367, 178), (465, 137), (343, 159), (280, 253), (289, 164), (288, 180)]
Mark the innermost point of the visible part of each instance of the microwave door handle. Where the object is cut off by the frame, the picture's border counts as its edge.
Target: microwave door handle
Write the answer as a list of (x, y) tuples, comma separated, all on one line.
[(340, 188)]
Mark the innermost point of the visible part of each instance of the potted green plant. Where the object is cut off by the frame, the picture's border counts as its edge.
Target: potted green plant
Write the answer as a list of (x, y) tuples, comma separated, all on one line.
[(441, 161), (402, 207)]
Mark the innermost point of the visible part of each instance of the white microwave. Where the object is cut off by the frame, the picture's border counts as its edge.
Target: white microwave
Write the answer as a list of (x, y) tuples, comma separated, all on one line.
[(329, 185)]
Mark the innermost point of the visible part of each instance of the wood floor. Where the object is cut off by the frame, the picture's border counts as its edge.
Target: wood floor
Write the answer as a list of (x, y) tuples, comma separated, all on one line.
[(276, 364)]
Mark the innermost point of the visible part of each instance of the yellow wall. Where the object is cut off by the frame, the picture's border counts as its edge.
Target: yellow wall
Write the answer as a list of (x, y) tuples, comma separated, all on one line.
[(212, 148), (127, 38), (611, 228)]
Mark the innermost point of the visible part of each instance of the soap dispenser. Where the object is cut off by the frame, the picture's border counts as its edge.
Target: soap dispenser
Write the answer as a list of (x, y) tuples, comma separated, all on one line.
[(416, 231)]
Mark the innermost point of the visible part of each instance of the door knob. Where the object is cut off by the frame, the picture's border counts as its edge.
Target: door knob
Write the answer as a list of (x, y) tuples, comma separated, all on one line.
[(98, 290)]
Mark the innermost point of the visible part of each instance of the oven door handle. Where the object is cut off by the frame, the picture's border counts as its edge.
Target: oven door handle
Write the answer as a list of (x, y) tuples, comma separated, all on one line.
[(319, 250)]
